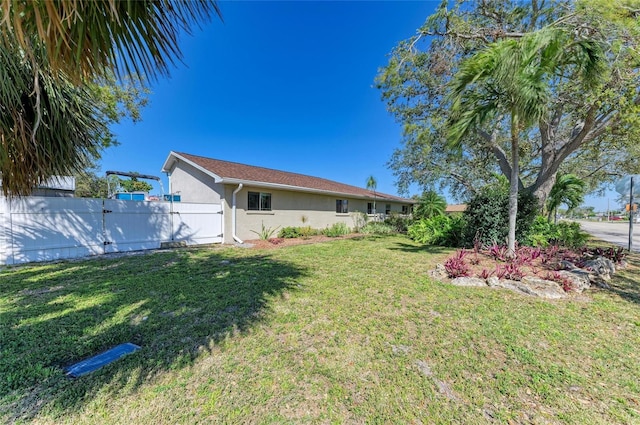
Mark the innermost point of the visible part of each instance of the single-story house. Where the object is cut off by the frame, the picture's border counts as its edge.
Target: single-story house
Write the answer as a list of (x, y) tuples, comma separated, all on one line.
[(255, 196)]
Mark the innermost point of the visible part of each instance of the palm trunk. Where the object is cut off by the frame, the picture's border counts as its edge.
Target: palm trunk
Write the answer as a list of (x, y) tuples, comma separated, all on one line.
[(513, 188)]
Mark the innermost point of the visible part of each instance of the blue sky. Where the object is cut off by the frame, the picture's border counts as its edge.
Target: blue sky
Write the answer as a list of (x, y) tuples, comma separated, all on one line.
[(285, 85)]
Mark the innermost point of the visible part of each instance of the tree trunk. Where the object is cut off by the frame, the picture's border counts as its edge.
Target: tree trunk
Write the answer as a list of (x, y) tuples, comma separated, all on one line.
[(513, 188), (542, 188)]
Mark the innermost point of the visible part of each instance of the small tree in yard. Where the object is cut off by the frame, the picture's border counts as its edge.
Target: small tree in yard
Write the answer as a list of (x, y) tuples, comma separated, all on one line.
[(568, 190), (372, 184), (431, 204), (511, 79)]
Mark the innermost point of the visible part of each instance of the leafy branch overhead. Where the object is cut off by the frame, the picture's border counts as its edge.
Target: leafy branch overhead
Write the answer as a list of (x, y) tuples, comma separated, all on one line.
[(64, 77), (588, 132)]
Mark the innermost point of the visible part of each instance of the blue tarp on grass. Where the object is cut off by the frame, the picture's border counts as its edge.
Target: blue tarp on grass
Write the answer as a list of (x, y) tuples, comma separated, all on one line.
[(96, 362)]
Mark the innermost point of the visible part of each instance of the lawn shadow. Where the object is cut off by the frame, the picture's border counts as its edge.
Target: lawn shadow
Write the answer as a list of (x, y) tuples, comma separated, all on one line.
[(426, 249), (175, 305), (626, 282)]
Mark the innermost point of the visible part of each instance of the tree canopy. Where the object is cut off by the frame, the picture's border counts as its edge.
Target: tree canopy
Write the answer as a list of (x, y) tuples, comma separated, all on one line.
[(591, 133)]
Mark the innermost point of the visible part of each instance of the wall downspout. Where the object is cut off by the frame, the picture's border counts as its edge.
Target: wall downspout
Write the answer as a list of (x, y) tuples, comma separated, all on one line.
[(233, 214)]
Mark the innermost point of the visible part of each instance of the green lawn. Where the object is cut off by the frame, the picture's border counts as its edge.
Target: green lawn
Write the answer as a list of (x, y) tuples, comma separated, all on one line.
[(350, 331)]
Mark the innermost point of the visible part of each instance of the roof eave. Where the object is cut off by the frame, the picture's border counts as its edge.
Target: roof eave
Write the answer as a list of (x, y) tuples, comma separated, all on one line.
[(310, 190), (176, 157)]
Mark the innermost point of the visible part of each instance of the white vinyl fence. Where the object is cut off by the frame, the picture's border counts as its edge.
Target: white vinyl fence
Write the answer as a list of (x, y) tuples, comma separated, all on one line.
[(41, 228)]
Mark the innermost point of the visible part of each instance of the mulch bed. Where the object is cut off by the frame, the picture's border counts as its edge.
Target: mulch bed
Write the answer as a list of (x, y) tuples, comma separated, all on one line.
[(275, 243)]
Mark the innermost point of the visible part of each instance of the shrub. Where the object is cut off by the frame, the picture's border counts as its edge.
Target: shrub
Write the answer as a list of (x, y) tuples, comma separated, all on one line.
[(360, 220), (338, 229), (307, 231), (297, 232), (377, 228), (438, 230), (487, 215), (399, 222), (570, 234), (289, 232), (544, 233)]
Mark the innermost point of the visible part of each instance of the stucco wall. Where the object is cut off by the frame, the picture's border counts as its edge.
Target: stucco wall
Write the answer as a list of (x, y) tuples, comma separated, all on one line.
[(291, 209), (194, 185)]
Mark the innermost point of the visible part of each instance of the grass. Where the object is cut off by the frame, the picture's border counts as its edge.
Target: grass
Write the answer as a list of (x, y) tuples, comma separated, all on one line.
[(350, 331)]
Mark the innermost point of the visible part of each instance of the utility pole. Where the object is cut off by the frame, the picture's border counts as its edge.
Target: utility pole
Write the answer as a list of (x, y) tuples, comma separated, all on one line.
[(631, 215)]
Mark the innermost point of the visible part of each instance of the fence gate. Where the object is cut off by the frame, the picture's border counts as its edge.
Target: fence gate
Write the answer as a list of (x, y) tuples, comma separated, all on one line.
[(134, 225), (42, 229)]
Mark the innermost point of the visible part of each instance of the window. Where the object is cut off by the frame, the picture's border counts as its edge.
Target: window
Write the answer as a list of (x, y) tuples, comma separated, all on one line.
[(387, 209), (405, 209), (370, 208), (342, 206), (259, 201)]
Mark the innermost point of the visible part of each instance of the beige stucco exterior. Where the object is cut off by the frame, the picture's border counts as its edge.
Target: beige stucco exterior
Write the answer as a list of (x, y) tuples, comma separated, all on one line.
[(194, 185), (293, 207)]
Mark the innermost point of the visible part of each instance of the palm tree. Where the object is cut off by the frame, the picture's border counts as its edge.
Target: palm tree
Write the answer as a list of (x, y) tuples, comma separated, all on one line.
[(431, 204), (50, 55), (512, 78), (568, 190), (372, 184)]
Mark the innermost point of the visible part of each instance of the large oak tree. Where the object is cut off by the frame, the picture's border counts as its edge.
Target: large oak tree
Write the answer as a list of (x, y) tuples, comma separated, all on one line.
[(591, 134)]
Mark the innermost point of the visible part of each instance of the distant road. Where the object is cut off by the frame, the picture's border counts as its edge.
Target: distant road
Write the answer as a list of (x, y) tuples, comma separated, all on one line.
[(615, 232)]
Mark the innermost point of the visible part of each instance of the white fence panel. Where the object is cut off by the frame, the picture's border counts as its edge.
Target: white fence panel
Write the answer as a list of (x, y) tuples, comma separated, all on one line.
[(197, 223), (42, 229), (135, 225), (4, 229)]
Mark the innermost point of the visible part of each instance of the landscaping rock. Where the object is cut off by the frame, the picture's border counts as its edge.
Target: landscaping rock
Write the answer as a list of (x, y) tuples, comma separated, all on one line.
[(493, 281), (602, 267), (530, 285), (542, 288), (469, 281), (579, 279), (439, 272), (502, 283), (567, 265)]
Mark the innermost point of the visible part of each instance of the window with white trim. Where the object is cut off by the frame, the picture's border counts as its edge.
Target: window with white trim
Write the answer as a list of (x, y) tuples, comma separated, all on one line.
[(342, 206)]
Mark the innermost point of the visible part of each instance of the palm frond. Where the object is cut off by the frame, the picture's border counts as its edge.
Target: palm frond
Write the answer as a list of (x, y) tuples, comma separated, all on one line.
[(520, 70), (48, 125), (84, 38)]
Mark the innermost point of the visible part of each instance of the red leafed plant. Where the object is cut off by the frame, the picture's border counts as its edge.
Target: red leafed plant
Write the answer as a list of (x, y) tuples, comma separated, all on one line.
[(456, 266), (557, 277), (499, 252), (485, 274), (509, 271)]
